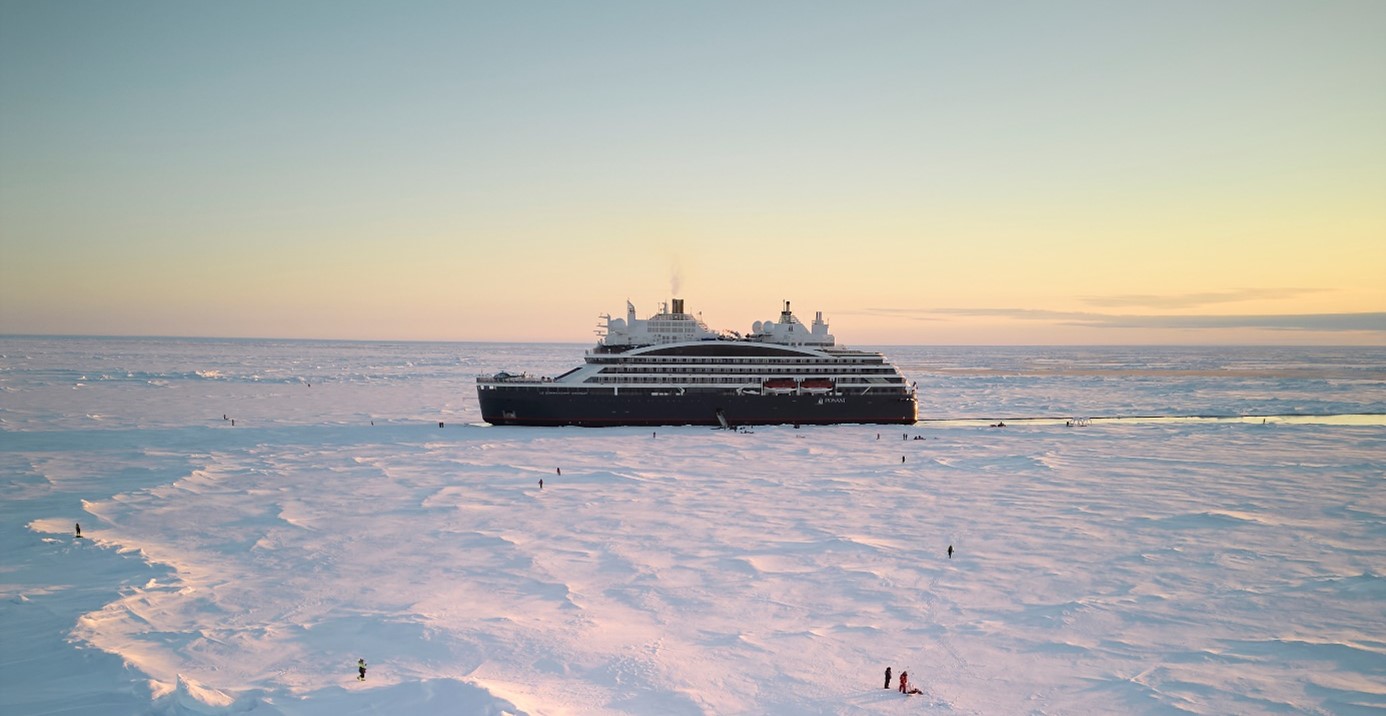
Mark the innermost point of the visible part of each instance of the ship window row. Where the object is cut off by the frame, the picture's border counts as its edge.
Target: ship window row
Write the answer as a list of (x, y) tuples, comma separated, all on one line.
[(766, 370), (624, 380), (757, 360), (660, 379), (656, 390)]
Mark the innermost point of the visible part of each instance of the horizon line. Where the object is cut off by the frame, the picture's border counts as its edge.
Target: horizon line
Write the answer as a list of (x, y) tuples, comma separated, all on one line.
[(281, 339)]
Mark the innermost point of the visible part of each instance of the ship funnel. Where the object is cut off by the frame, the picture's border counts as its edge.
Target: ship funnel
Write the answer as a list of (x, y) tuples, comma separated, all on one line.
[(678, 306)]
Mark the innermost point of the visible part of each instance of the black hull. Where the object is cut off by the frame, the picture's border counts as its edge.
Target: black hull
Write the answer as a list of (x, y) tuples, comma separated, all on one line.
[(530, 406)]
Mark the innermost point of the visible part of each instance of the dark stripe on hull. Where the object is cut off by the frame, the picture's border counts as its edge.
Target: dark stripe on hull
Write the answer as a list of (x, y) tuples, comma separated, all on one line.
[(502, 406)]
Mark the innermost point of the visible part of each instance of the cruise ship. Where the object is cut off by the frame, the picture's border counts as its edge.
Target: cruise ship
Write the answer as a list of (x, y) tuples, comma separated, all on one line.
[(670, 369)]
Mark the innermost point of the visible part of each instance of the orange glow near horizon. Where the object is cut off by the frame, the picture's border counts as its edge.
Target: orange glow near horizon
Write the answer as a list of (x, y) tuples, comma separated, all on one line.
[(923, 173)]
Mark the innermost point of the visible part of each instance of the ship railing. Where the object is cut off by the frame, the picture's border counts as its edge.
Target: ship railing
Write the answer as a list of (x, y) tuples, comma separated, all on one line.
[(504, 377)]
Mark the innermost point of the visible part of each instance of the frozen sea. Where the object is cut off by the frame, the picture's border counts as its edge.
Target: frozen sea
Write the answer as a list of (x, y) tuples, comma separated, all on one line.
[(1213, 541)]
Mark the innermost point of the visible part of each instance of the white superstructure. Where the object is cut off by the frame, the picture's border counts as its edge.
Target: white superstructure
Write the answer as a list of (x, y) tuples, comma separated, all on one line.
[(672, 325), (667, 326), (789, 331)]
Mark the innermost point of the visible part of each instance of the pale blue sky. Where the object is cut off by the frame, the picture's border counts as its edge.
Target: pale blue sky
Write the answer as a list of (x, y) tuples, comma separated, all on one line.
[(925, 172)]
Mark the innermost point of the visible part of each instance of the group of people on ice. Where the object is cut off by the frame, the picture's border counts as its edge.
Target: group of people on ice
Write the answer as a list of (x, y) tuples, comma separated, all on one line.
[(905, 687)]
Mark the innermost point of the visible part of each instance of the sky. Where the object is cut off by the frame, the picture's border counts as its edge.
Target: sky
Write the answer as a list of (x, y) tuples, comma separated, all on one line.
[(922, 172)]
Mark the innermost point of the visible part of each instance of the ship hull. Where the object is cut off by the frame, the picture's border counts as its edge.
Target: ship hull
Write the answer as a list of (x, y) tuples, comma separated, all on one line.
[(515, 405)]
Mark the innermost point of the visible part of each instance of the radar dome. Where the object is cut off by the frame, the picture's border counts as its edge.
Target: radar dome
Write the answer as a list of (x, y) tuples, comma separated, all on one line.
[(755, 327), (617, 324)]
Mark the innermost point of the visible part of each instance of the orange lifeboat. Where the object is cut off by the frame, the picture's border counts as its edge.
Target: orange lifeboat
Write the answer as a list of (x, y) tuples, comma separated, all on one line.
[(780, 385)]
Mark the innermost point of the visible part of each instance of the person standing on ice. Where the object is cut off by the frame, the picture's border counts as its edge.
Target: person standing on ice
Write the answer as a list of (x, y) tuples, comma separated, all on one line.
[(950, 551), (79, 529), (887, 678), (904, 682), (541, 483), (361, 667)]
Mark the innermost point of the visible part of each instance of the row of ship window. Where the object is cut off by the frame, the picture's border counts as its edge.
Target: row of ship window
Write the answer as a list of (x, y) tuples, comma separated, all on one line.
[(763, 370), (634, 379), (759, 360)]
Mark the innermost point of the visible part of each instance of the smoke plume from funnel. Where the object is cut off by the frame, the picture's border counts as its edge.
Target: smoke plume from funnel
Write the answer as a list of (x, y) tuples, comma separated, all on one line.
[(675, 278)]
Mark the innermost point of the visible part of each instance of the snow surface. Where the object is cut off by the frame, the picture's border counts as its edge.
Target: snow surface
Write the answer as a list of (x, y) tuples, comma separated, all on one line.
[(1148, 567)]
